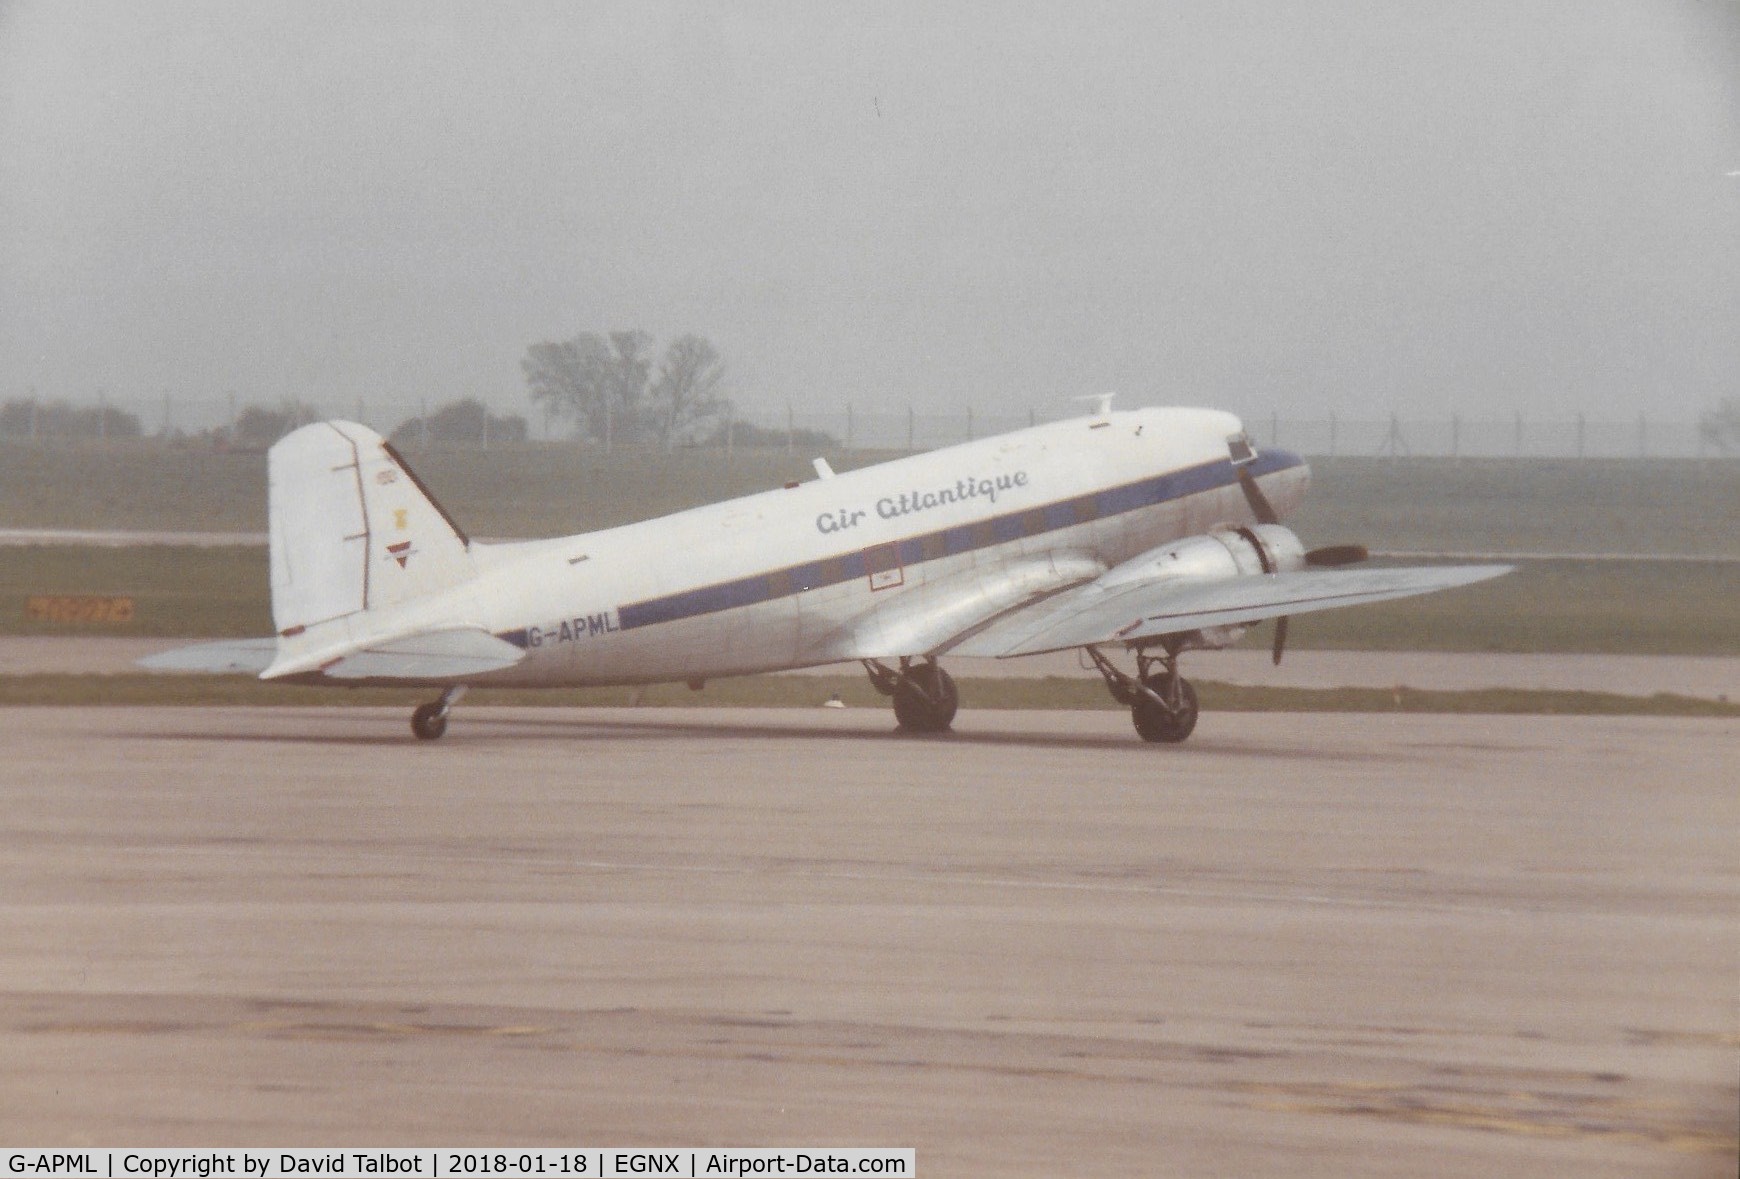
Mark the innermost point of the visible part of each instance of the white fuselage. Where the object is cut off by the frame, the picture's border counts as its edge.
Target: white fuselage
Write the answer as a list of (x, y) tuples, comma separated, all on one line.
[(794, 577)]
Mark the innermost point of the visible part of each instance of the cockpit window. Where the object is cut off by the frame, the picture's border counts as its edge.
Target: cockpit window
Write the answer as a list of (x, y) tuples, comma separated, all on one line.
[(1240, 449)]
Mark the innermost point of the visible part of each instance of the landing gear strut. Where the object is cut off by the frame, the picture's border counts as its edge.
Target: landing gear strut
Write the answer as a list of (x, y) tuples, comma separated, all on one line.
[(925, 699), (430, 720), (1162, 703)]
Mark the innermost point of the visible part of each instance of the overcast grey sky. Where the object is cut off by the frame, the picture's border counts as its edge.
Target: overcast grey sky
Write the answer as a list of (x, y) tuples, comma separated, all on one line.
[(1354, 207)]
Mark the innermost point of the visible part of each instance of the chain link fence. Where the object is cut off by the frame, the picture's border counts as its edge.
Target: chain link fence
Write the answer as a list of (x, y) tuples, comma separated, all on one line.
[(227, 421), (1395, 436)]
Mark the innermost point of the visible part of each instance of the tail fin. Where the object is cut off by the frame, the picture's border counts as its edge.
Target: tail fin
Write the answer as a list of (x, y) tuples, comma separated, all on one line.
[(352, 529)]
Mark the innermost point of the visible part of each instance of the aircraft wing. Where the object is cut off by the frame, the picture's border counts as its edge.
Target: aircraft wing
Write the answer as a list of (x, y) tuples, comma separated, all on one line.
[(230, 657), (930, 618), (1093, 614)]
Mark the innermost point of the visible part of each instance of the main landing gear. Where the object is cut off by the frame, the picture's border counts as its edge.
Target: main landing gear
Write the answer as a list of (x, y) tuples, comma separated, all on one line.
[(430, 720), (925, 699), (1162, 702)]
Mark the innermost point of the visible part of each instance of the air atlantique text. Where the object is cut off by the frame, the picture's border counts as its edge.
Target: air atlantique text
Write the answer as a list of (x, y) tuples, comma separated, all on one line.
[(457, 1164), (892, 507)]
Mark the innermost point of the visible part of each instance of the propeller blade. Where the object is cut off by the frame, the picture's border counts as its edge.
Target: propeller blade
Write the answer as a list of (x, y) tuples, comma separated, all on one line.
[(1332, 555), (1260, 505), (1280, 638)]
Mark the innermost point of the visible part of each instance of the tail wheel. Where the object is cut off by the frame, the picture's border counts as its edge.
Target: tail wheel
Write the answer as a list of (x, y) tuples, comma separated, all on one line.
[(925, 700), (1154, 722), (429, 721)]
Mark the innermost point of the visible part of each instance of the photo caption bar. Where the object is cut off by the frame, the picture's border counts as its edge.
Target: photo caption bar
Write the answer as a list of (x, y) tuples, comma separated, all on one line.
[(459, 1162)]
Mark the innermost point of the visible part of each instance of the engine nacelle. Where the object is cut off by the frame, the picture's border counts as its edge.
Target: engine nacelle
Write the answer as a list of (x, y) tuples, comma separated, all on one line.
[(1223, 552)]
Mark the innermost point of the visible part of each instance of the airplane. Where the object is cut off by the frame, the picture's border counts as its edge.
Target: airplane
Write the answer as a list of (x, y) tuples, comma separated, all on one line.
[(1136, 535)]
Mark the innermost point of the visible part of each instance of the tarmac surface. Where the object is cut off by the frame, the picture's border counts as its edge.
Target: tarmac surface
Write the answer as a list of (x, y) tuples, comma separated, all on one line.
[(1297, 945), (1707, 677)]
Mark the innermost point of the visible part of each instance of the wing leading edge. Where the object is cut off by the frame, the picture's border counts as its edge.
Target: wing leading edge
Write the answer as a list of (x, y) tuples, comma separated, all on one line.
[(1093, 614)]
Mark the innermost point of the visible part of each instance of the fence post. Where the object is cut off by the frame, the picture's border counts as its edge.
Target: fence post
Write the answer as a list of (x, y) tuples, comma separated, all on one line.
[(1395, 445)]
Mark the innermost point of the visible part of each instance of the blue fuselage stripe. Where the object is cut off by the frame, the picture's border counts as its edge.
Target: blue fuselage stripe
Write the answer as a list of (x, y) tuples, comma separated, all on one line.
[(915, 550)]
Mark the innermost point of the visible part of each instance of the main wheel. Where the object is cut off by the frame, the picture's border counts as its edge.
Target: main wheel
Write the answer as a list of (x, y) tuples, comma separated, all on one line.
[(429, 721), (1156, 723), (925, 699)]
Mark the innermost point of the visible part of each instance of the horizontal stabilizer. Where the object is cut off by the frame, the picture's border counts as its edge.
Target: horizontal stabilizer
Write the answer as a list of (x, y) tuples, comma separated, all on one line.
[(232, 657), (1127, 613), (442, 656)]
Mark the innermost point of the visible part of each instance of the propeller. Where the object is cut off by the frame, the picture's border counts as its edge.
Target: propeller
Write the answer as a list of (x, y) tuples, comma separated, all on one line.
[(1328, 557), (1260, 505)]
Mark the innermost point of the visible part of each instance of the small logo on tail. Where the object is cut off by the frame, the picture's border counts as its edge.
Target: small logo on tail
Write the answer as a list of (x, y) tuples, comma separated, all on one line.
[(400, 552)]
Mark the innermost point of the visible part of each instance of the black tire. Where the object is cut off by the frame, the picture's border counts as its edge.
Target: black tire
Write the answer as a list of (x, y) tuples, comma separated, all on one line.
[(926, 700), (429, 721), (1155, 723)]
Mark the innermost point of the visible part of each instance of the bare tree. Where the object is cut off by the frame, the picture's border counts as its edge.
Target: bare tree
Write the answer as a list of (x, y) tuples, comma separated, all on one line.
[(687, 390), (600, 382), (567, 378), (628, 368), (604, 384)]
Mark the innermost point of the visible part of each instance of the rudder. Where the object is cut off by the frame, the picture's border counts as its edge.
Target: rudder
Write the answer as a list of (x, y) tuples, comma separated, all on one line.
[(352, 529)]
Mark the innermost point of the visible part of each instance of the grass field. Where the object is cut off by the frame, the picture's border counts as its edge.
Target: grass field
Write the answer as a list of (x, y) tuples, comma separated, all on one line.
[(1632, 607), (1598, 506), (1653, 506), (854, 691)]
